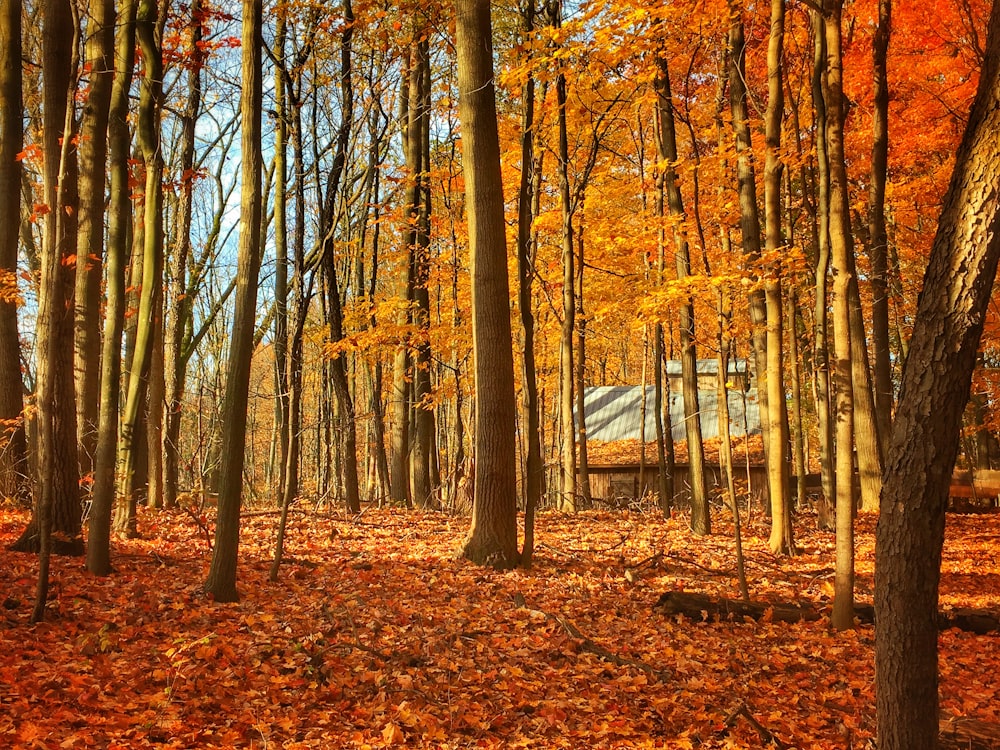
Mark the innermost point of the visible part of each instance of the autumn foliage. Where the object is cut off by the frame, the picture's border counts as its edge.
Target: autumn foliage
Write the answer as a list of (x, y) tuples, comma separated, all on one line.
[(376, 637)]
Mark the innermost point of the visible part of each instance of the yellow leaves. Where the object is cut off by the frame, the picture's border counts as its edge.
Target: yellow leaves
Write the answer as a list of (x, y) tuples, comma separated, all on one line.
[(392, 734)]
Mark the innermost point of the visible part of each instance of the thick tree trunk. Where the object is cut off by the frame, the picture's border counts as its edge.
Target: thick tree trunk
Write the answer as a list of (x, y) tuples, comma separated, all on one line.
[(492, 538), (57, 504), (221, 582), (935, 389)]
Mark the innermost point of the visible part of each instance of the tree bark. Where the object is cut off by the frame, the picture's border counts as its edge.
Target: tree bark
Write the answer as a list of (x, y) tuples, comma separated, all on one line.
[(669, 188), (99, 53), (119, 231), (492, 538), (935, 390), (14, 481), (221, 582), (841, 248)]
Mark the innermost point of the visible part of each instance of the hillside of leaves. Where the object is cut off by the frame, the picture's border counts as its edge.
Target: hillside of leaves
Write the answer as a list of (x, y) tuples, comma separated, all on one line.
[(375, 636)]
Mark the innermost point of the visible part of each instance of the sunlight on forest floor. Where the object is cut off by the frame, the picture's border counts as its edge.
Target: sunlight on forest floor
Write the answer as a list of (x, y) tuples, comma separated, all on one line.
[(378, 637)]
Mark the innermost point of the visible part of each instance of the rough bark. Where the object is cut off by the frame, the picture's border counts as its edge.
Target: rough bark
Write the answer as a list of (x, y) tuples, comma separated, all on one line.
[(934, 392), (492, 538)]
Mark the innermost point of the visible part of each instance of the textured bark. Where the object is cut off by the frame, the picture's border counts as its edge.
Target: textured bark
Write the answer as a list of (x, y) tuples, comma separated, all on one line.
[(841, 249), (56, 520), (119, 224), (935, 390), (221, 582), (14, 481), (492, 538), (669, 191), (99, 52)]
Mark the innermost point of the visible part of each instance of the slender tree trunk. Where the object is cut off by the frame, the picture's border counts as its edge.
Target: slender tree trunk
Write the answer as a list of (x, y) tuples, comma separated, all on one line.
[(569, 468), (668, 188), (821, 351), (777, 419), (580, 371), (99, 53), (935, 389), (221, 582), (14, 482), (148, 35), (749, 214), (877, 228), (841, 247), (418, 163), (533, 470), (119, 230), (281, 272), (492, 538)]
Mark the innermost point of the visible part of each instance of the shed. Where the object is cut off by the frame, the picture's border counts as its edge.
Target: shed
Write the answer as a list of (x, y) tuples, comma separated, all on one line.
[(615, 431)]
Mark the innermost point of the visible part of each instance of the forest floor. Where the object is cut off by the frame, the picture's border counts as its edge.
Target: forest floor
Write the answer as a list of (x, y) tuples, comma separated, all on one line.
[(375, 636)]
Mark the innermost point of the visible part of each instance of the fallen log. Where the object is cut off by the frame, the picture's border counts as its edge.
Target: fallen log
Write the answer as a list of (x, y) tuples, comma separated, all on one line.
[(702, 607), (967, 734)]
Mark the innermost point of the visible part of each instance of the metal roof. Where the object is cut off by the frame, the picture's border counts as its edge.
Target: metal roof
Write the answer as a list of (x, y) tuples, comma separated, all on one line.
[(613, 412)]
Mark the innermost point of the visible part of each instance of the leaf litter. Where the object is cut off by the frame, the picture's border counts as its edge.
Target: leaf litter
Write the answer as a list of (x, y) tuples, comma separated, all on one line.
[(375, 636)]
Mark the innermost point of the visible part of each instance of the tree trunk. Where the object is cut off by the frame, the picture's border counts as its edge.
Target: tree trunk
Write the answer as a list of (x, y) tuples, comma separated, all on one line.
[(579, 377), (221, 582), (669, 189), (492, 538), (568, 500), (148, 34), (749, 214), (877, 228), (57, 505), (119, 230), (841, 248), (178, 303), (935, 389), (781, 540), (99, 52), (14, 481), (533, 467)]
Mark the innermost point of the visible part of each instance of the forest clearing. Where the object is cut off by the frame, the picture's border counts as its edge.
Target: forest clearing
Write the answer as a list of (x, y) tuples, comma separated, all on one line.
[(378, 637)]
